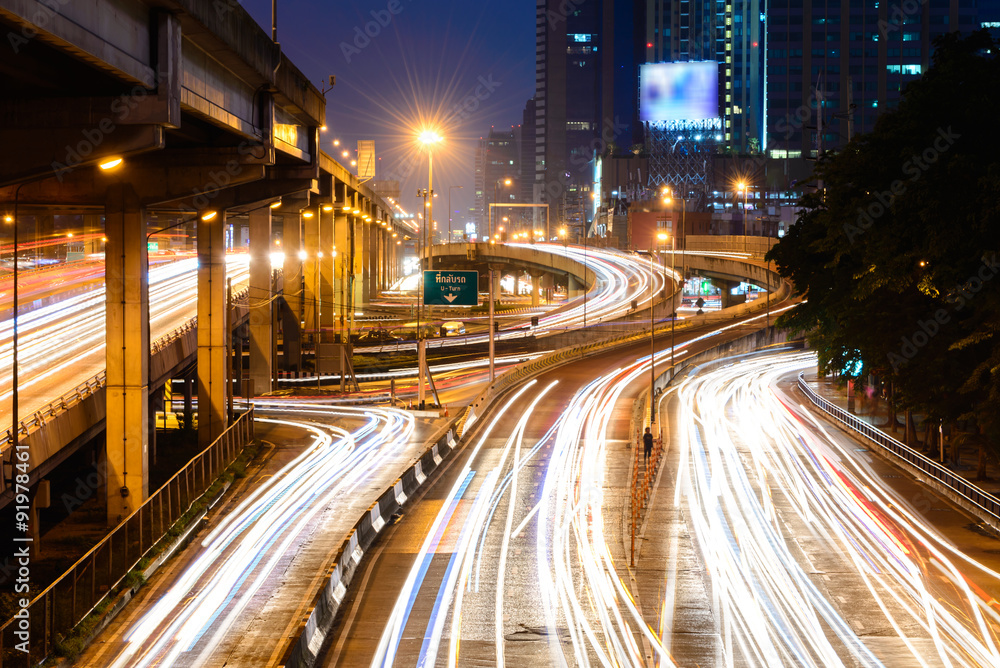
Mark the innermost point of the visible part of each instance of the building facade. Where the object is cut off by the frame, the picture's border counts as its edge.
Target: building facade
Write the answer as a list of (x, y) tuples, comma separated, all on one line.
[(835, 65), (730, 32), (587, 56), (498, 160)]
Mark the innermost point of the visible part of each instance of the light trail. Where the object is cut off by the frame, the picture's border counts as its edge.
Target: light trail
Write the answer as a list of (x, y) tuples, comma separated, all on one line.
[(392, 634), (62, 345), (742, 448), (621, 278), (244, 550), (581, 588)]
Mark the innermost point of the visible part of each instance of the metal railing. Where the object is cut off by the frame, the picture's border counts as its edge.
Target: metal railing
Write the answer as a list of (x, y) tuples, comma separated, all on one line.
[(980, 499), (37, 418), (66, 602)]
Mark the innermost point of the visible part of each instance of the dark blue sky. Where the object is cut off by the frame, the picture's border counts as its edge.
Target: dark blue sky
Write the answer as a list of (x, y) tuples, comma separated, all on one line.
[(427, 62)]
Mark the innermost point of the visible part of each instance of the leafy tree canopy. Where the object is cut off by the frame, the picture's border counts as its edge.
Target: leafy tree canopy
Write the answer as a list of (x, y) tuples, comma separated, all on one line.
[(898, 253)]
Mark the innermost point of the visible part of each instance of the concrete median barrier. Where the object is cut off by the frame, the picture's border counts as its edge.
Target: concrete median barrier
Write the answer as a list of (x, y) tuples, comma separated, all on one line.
[(311, 633)]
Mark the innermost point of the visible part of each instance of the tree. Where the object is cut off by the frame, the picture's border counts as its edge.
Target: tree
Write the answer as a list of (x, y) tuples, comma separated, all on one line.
[(899, 254)]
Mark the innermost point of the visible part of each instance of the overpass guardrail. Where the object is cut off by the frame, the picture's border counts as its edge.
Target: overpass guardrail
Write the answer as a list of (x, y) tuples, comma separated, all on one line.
[(971, 496)]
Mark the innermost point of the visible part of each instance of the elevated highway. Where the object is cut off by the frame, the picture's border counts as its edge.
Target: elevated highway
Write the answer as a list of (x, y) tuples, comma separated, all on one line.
[(140, 117)]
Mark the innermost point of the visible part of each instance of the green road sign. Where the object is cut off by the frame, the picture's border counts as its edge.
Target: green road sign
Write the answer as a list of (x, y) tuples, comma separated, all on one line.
[(451, 288)]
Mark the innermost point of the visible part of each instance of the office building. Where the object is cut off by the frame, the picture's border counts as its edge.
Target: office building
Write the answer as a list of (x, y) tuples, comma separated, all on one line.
[(851, 59), (497, 160), (731, 33), (587, 54)]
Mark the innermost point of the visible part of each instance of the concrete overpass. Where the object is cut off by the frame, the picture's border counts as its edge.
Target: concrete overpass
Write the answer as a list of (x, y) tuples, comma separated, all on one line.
[(213, 124), (729, 267), (541, 265)]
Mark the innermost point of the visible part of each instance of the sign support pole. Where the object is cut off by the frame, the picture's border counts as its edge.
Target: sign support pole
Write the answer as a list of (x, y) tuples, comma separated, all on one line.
[(421, 366), (492, 329)]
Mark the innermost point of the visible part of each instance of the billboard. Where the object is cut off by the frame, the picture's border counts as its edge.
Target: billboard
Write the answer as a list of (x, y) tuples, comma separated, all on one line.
[(366, 159), (686, 91)]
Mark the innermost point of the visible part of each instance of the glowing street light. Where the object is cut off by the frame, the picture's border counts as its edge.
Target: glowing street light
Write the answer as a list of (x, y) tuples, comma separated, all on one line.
[(110, 163)]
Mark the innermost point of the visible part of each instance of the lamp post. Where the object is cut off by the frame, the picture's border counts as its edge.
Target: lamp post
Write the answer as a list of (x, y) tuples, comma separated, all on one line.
[(744, 188), (450, 188), (652, 333), (662, 236), (428, 138)]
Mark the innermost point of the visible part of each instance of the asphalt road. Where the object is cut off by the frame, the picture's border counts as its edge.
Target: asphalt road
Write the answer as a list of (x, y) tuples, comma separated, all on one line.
[(429, 589), (234, 595), (773, 540)]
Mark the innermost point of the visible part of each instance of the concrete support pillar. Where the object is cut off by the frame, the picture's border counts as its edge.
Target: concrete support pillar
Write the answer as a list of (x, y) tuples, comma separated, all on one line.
[(127, 353), (292, 289), (395, 266), (310, 271), (378, 284), (497, 274), (188, 402), (212, 410), (260, 300), (357, 266), (366, 264), (326, 282), (45, 232), (536, 284), (93, 233), (574, 287), (726, 288), (341, 269)]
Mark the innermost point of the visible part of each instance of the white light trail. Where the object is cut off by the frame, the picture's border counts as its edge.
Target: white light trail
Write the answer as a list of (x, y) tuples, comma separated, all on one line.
[(244, 550)]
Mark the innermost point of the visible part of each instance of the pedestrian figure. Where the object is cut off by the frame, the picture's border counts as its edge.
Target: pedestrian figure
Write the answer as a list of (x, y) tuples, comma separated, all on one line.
[(647, 445)]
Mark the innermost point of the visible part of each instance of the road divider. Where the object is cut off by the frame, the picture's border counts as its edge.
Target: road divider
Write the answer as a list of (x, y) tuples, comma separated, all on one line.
[(955, 487), (308, 639)]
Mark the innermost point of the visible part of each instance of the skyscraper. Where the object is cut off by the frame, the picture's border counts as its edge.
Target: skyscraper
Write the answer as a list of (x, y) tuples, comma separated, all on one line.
[(849, 58), (730, 32), (585, 96), (497, 159)]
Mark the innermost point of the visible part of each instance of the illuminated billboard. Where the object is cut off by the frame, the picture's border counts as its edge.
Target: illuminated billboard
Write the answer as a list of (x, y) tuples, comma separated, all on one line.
[(679, 91)]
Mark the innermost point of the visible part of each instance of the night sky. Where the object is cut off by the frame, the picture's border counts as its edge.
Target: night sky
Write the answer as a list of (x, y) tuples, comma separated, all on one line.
[(426, 63)]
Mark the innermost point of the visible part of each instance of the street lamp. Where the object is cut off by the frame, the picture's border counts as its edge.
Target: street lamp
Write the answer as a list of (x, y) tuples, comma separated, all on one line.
[(662, 236), (744, 188), (496, 199), (450, 188), (652, 334), (428, 138)]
